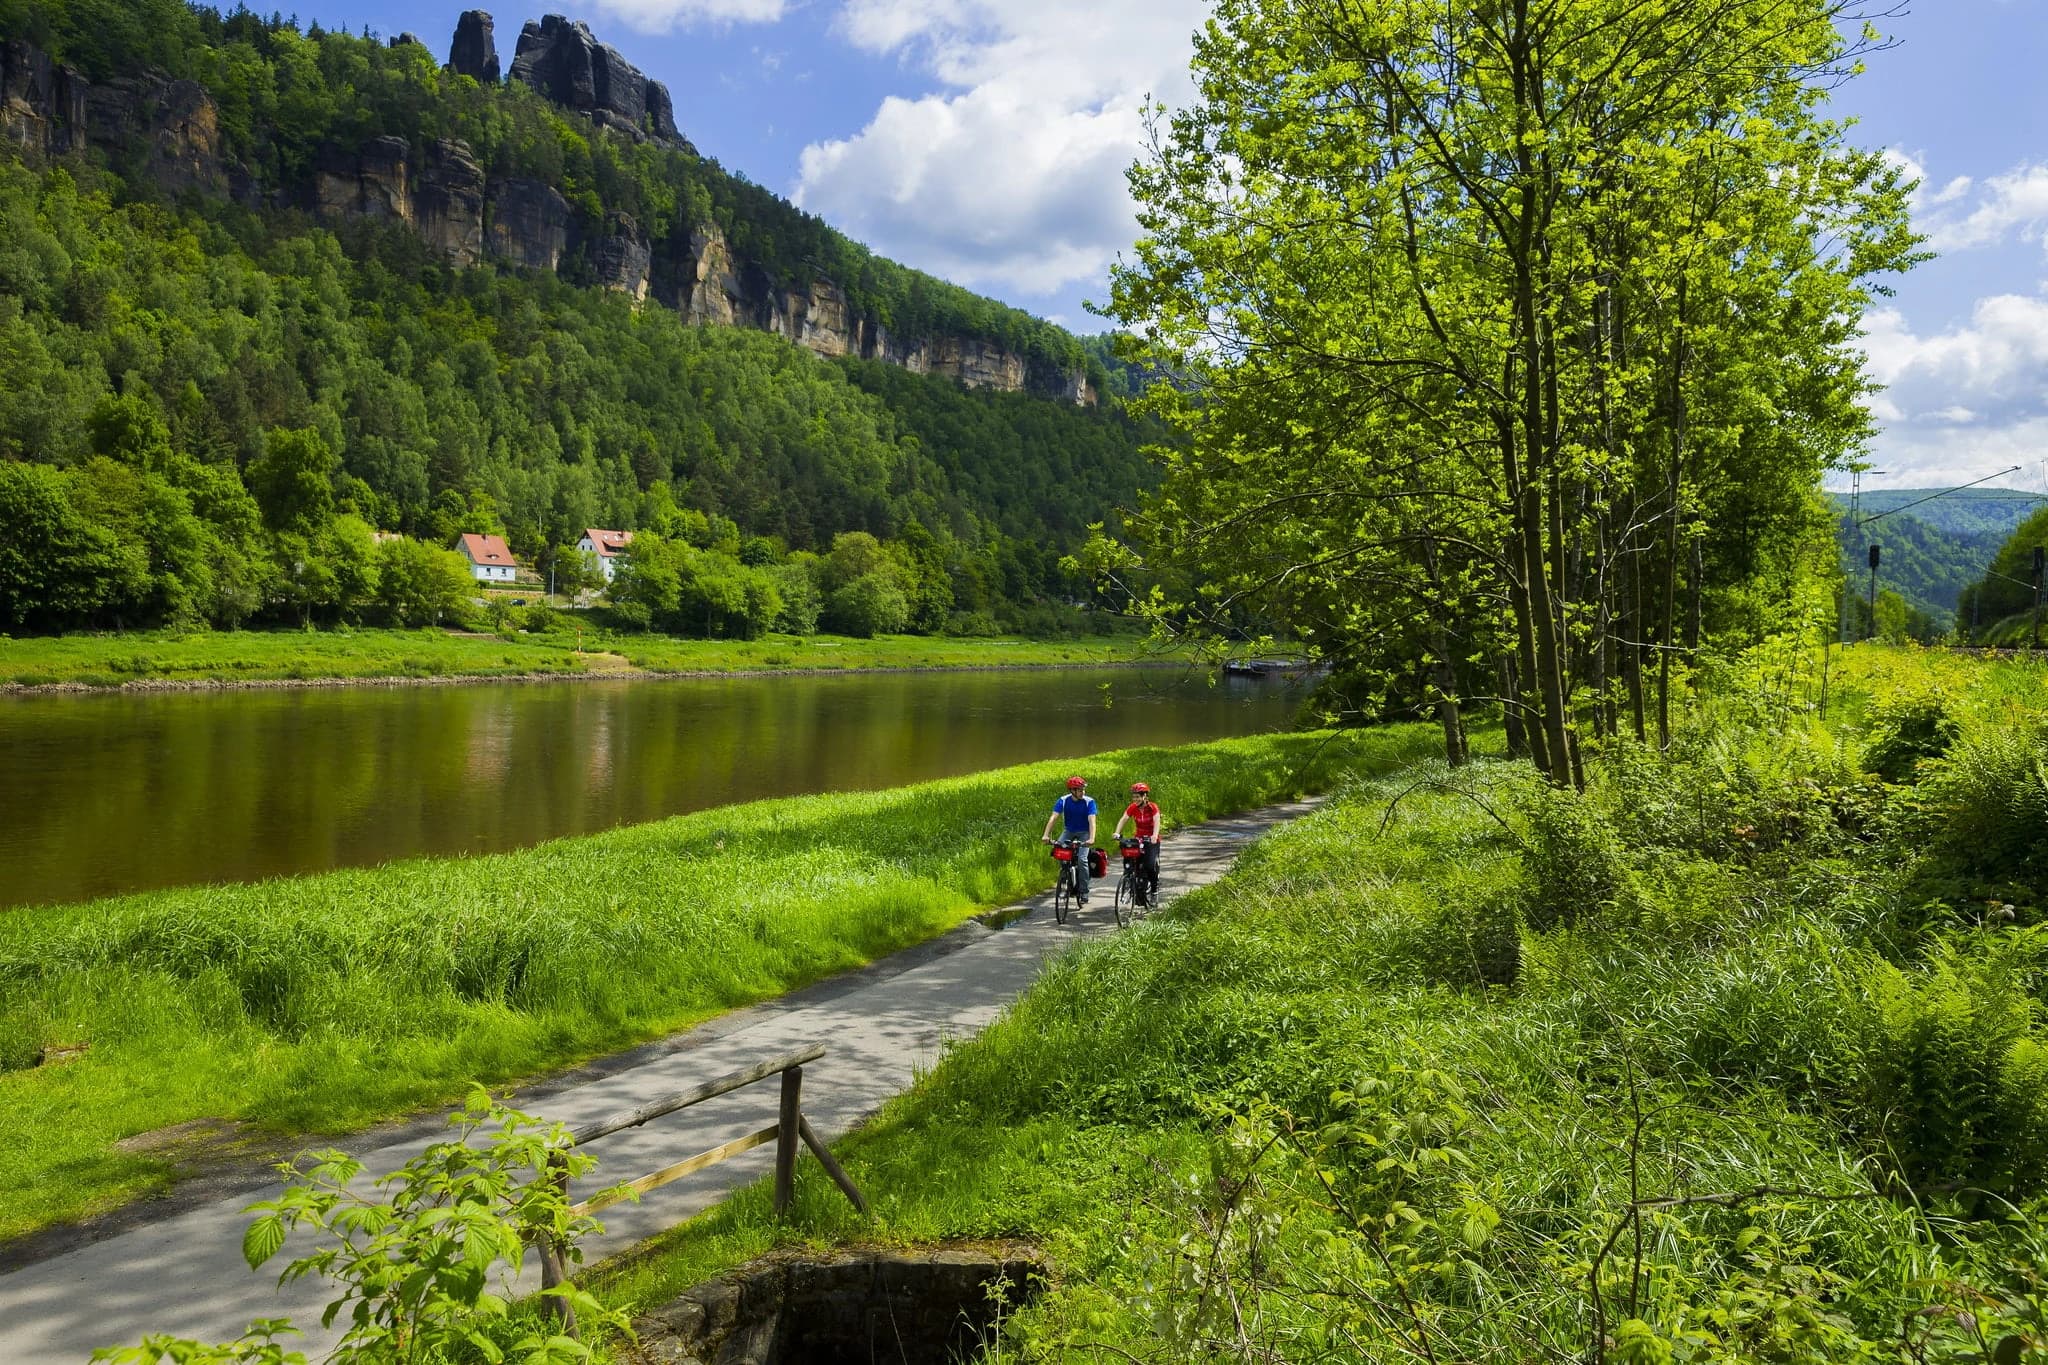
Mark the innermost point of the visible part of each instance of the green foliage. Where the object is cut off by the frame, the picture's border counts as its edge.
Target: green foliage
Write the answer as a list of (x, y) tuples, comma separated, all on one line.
[(416, 1266), (869, 605), (1572, 863), (1944, 1055), (350, 371), (2007, 588), (55, 565), (1905, 729), (330, 1001), (1719, 1119)]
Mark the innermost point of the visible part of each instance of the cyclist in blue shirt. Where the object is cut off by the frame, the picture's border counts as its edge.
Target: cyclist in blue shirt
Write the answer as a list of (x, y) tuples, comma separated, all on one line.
[(1077, 808)]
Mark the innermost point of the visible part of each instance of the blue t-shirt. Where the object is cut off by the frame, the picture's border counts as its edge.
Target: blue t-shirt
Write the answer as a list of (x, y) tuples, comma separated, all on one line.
[(1077, 810)]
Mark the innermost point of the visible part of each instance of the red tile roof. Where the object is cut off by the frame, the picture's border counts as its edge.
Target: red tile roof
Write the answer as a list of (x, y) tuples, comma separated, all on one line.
[(487, 550), (609, 543)]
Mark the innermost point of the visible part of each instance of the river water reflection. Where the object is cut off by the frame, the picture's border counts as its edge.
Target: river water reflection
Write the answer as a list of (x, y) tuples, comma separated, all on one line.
[(103, 794)]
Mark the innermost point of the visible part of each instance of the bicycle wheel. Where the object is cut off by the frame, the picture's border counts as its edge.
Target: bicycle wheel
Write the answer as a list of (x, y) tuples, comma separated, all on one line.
[(1126, 900), (1062, 895)]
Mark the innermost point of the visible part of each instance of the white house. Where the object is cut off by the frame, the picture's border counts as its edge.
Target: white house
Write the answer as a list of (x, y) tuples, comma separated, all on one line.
[(490, 558), (608, 546)]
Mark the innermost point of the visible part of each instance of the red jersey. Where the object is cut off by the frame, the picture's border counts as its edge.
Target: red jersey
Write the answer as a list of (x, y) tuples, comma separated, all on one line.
[(1144, 818)]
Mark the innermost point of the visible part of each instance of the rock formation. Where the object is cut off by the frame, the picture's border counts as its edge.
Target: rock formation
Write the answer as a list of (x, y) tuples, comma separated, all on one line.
[(448, 203), (564, 61), (622, 259), (440, 192), (529, 224), (474, 52), (42, 105)]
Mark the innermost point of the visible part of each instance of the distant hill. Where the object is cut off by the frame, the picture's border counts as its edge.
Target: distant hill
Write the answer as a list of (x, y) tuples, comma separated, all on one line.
[(1938, 547), (266, 291)]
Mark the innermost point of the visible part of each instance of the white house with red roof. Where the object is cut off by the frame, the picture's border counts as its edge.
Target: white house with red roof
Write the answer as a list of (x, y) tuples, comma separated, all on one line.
[(608, 546), (490, 558)]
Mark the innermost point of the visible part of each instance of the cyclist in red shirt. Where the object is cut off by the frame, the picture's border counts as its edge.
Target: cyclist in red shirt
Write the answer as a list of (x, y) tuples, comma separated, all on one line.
[(1143, 817)]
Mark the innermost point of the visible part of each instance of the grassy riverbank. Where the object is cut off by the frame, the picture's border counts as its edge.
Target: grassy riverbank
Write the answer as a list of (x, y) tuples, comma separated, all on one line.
[(214, 658), (318, 1003), (1739, 1057)]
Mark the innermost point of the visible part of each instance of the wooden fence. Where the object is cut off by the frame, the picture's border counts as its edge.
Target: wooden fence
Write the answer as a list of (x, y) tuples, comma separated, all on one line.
[(789, 1128)]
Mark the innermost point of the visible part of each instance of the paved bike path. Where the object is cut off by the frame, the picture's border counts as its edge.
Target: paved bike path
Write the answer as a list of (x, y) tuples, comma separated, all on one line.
[(882, 1025)]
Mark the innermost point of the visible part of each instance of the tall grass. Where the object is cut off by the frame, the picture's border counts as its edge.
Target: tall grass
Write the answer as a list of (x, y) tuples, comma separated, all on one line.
[(1464, 1069), (316, 1003)]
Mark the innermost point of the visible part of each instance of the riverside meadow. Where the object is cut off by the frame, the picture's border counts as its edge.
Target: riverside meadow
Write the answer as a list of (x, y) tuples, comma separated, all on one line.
[(1738, 1056), (557, 648), (317, 1004)]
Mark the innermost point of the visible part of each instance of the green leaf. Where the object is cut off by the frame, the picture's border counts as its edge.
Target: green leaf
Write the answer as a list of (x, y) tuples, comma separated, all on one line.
[(263, 1239)]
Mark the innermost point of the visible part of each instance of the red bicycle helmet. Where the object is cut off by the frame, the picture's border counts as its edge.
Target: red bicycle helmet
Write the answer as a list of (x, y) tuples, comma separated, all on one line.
[(1075, 784), (1140, 789)]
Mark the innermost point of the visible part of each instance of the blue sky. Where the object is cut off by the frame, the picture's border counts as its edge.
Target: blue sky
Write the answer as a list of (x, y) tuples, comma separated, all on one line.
[(985, 141)]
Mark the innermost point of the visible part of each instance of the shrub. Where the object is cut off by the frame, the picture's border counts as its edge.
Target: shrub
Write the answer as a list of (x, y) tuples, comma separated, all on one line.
[(1978, 819), (868, 606), (1939, 1066), (1907, 727), (1572, 865)]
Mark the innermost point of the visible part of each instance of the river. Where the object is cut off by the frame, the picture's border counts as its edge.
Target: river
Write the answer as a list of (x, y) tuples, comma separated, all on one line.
[(124, 792)]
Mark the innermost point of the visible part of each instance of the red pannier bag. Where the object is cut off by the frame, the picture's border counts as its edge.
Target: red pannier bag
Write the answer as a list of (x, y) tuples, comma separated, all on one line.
[(1098, 862)]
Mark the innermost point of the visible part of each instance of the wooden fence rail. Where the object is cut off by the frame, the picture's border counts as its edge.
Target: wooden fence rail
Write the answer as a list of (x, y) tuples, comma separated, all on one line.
[(790, 1128)]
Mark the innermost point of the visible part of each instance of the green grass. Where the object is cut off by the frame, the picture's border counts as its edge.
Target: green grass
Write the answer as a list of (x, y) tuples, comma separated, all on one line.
[(315, 1004), (793, 653), (1387, 1091), (270, 655)]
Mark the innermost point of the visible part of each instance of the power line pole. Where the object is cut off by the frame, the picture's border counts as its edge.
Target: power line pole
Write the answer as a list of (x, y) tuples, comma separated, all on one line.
[(2040, 554)]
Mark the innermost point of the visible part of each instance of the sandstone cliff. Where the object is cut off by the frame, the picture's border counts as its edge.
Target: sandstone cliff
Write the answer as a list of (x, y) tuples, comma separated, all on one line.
[(474, 53), (564, 61), (440, 191)]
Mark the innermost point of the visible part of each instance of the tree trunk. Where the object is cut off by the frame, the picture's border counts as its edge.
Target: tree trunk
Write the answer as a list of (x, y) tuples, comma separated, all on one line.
[(1447, 712), (1511, 708)]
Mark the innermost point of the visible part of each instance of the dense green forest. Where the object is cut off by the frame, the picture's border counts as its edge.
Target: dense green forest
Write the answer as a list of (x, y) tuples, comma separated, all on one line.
[(1999, 608), (1933, 552), (208, 410)]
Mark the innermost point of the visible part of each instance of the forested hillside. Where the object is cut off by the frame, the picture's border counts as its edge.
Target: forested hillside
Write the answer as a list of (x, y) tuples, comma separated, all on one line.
[(1934, 551), (218, 380)]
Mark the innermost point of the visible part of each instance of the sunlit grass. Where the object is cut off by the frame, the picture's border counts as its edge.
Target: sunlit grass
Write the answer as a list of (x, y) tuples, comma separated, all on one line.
[(313, 1004), (1734, 1012), (573, 646)]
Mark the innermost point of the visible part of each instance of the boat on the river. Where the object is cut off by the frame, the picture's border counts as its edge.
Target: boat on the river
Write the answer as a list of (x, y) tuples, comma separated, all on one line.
[(1266, 668)]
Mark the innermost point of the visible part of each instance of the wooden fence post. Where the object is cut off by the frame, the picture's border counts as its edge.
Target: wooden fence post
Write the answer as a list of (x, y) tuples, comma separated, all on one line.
[(786, 1139)]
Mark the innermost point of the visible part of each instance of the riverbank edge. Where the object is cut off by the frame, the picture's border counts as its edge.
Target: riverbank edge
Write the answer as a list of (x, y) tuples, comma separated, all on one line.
[(142, 686), (248, 1169), (1314, 765)]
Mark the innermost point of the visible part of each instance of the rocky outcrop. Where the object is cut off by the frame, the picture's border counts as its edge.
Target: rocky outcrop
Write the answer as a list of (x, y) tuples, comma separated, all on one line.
[(564, 61), (374, 181), (448, 203), (441, 192), (621, 258), (474, 52), (42, 104), (528, 224), (977, 364), (176, 122)]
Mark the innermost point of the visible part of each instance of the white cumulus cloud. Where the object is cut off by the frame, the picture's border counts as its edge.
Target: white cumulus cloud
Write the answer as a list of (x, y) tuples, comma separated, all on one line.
[(1965, 399), (1964, 213), (1011, 177)]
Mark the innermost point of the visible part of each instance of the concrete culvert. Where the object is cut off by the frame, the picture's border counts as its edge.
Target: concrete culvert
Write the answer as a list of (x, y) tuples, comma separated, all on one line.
[(932, 1306)]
